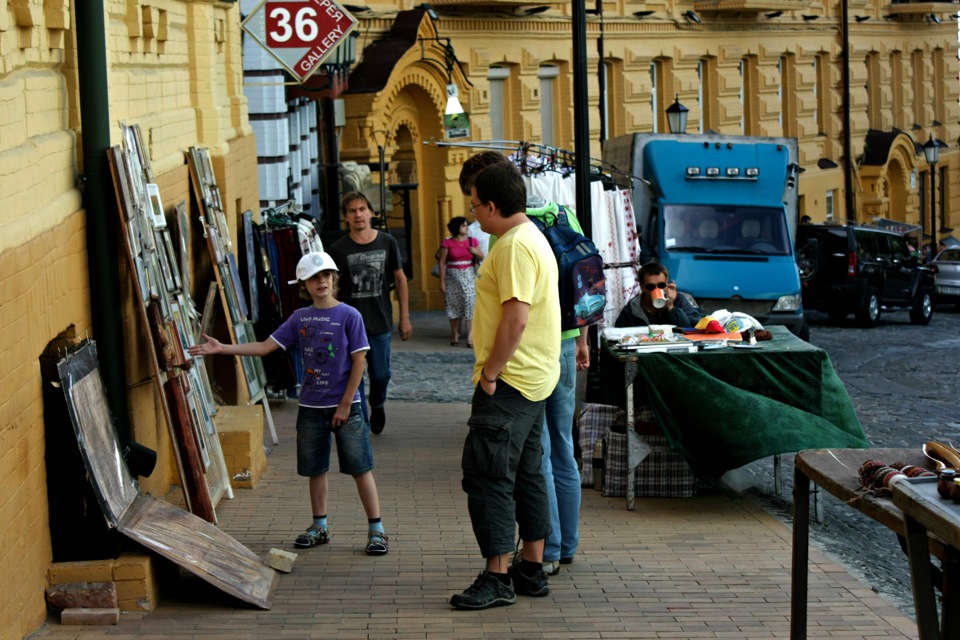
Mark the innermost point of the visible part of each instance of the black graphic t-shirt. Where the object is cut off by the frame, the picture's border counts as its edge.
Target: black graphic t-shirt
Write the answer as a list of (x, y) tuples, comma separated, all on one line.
[(366, 271)]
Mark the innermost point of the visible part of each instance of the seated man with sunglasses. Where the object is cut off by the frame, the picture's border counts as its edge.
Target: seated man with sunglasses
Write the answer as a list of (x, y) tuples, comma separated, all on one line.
[(679, 310)]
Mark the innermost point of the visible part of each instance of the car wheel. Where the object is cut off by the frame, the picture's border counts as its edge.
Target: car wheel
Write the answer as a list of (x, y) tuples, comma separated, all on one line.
[(869, 314), (803, 331), (922, 310), (808, 260), (836, 316)]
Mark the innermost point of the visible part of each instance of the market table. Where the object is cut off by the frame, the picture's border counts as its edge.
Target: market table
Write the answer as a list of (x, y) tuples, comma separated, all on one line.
[(723, 408), (924, 510), (836, 471)]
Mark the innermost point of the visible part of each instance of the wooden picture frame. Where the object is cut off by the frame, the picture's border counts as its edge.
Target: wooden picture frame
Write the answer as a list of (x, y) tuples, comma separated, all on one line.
[(167, 243), (156, 206), (209, 311), (183, 243), (163, 262)]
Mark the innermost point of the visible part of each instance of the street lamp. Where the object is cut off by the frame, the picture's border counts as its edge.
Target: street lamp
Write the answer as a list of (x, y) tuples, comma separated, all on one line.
[(677, 116), (932, 150)]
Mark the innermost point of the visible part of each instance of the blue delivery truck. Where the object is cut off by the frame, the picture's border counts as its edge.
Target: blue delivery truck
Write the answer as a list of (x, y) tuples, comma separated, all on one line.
[(720, 212)]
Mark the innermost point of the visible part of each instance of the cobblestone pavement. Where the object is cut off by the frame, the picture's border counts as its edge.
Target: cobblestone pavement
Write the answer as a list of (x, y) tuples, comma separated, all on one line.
[(904, 385), (903, 381)]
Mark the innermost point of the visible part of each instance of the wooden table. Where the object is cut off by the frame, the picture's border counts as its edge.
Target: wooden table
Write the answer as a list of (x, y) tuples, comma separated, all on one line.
[(924, 510), (836, 471)]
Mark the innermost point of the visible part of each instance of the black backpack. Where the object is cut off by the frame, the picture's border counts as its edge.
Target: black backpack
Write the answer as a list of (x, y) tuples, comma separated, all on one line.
[(582, 286)]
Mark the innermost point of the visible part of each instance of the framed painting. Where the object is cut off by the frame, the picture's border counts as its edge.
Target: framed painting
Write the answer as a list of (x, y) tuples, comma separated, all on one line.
[(251, 259), (237, 285)]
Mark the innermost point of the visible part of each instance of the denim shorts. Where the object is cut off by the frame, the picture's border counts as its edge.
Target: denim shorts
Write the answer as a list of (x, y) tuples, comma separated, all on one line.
[(313, 442)]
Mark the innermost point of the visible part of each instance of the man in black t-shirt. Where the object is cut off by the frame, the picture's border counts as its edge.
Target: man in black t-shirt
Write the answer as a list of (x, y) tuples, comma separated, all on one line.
[(368, 261)]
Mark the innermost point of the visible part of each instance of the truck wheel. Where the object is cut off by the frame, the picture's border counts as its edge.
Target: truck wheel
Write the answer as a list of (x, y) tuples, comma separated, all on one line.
[(922, 310), (869, 314)]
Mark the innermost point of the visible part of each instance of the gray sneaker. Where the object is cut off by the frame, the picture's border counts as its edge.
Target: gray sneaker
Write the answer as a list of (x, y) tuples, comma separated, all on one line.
[(551, 568), (485, 592)]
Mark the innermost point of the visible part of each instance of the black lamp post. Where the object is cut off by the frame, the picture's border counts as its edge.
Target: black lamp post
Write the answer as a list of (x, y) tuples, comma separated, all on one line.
[(932, 150), (677, 116)]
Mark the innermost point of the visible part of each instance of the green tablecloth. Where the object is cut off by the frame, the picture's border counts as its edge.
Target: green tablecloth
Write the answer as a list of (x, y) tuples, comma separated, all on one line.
[(727, 407)]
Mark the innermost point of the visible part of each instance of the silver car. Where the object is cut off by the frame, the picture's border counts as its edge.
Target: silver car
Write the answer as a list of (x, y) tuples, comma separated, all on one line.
[(947, 267)]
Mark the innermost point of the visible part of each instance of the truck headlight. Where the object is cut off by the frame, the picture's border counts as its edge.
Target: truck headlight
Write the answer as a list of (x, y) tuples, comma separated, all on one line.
[(787, 303)]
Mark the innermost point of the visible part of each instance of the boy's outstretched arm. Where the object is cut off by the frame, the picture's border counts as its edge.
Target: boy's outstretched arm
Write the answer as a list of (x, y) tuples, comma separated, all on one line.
[(212, 346)]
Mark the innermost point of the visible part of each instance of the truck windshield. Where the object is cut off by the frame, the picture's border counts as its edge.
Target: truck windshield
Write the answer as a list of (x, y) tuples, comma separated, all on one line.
[(725, 229)]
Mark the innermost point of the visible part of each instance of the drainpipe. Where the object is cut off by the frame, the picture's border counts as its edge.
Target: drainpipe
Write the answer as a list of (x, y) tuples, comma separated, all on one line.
[(101, 210)]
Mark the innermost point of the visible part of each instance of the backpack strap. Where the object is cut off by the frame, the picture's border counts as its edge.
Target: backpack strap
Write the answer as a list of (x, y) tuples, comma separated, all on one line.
[(562, 216)]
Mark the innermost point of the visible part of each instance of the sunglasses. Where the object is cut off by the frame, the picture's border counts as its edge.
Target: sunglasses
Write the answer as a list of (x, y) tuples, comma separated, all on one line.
[(651, 286)]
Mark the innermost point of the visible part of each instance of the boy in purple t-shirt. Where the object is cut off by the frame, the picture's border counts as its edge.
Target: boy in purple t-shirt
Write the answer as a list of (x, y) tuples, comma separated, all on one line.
[(333, 344)]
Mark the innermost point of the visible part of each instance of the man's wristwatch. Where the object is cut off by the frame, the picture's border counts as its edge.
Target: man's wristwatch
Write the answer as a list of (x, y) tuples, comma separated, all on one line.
[(483, 374)]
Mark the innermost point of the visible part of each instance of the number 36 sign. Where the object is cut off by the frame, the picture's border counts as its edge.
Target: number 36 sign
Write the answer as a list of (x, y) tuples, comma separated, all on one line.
[(300, 34)]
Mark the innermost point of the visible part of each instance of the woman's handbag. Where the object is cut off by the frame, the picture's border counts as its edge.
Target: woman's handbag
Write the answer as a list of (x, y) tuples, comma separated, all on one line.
[(435, 272)]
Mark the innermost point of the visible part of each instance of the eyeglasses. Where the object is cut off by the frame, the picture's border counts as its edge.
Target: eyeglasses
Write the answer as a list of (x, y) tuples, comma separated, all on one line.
[(651, 286), (473, 207)]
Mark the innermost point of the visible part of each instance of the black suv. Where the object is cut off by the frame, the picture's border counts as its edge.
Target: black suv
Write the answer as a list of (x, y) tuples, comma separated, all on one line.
[(862, 270)]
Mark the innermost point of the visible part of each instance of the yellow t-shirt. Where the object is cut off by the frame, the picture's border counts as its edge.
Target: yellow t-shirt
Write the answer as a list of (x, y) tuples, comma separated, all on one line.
[(521, 265)]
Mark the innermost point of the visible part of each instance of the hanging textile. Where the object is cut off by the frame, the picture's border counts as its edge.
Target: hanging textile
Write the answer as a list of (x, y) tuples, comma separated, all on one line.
[(615, 234)]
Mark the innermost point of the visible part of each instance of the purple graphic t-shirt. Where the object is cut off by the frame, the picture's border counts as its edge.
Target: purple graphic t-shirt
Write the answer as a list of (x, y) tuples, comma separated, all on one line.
[(327, 339)]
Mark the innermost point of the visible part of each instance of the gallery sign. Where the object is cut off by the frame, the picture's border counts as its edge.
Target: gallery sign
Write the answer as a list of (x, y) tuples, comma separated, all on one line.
[(300, 34)]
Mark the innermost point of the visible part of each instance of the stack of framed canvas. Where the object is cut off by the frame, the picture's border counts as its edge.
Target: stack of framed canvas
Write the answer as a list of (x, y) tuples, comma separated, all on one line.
[(227, 275), (156, 265)]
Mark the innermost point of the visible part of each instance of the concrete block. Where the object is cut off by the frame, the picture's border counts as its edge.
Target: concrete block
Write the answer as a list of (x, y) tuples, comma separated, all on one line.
[(280, 560), (83, 595), (81, 571), (240, 429), (90, 616)]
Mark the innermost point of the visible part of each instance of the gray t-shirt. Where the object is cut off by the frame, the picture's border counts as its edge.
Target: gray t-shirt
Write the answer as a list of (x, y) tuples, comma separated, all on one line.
[(366, 272)]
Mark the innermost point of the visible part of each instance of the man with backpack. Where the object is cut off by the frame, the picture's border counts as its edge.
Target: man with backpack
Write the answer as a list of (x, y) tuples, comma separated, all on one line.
[(560, 469)]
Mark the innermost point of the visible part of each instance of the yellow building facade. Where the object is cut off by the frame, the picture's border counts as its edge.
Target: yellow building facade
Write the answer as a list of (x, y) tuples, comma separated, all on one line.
[(753, 67), (174, 68), (771, 67)]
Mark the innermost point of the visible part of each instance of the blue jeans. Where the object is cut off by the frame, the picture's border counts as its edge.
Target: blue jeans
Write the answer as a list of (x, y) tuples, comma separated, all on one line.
[(378, 370), (560, 469)]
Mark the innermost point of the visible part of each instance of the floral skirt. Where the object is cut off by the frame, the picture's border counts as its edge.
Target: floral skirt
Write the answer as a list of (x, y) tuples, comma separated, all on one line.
[(461, 293)]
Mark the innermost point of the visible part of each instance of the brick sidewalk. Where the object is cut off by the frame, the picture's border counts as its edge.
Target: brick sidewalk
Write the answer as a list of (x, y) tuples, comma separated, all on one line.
[(706, 567)]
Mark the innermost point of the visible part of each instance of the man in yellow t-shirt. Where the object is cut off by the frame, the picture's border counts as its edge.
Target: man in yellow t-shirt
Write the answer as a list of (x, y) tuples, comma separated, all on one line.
[(516, 338)]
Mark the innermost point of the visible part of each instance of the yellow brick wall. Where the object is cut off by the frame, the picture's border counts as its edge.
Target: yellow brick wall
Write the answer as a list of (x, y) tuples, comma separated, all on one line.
[(43, 290), (174, 69)]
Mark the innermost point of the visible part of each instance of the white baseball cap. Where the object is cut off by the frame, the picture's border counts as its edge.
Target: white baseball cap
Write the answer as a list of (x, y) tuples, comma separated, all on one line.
[(313, 263)]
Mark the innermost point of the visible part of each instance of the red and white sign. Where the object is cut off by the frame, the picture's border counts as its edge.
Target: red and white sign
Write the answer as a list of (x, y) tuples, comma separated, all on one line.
[(300, 34)]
